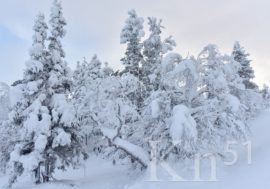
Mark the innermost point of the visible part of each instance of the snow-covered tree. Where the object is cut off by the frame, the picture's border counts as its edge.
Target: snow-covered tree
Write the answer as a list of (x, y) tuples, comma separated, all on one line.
[(23, 109), (107, 70), (231, 69), (63, 145), (213, 78), (153, 50), (9, 128), (246, 72), (251, 100), (102, 103), (5, 146), (266, 95), (85, 73), (48, 138), (116, 110), (219, 115), (87, 78), (166, 116), (4, 101), (131, 35), (180, 77), (59, 74), (108, 116), (170, 126)]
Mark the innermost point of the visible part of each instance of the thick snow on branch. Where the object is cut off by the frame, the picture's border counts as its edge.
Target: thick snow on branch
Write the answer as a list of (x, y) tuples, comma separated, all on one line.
[(135, 151), (183, 125), (233, 103)]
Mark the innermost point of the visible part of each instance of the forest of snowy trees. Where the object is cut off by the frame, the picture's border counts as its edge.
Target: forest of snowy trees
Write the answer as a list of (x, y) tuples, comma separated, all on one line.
[(57, 117)]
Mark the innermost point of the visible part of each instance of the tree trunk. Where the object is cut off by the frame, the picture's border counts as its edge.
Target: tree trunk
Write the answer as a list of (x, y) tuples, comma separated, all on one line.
[(47, 171), (37, 174)]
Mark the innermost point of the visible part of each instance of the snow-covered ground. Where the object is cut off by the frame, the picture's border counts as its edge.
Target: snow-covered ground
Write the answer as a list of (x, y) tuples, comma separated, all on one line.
[(101, 174)]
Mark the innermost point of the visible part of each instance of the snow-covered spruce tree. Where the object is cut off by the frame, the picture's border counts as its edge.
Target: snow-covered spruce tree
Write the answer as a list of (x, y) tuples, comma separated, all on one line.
[(107, 70), (9, 134), (28, 115), (231, 70), (84, 76), (179, 79), (159, 101), (63, 146), (9, 128), (7, 138), (237, 88), (249, 97), (266, 96), (48, 137), (219, 116), (246, 72), (4, 129), (213, 88), (59, 80), (166, 116), (4, 101), (236, 99), (131, 35), (85, 94), (171, 127), (153, 50)]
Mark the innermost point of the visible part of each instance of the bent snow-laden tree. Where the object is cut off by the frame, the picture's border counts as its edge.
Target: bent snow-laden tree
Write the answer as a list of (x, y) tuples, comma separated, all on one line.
[(106, 113)]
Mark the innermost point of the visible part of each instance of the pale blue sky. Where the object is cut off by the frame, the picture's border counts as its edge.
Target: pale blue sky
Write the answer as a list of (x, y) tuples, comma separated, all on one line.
[(94, 27)]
